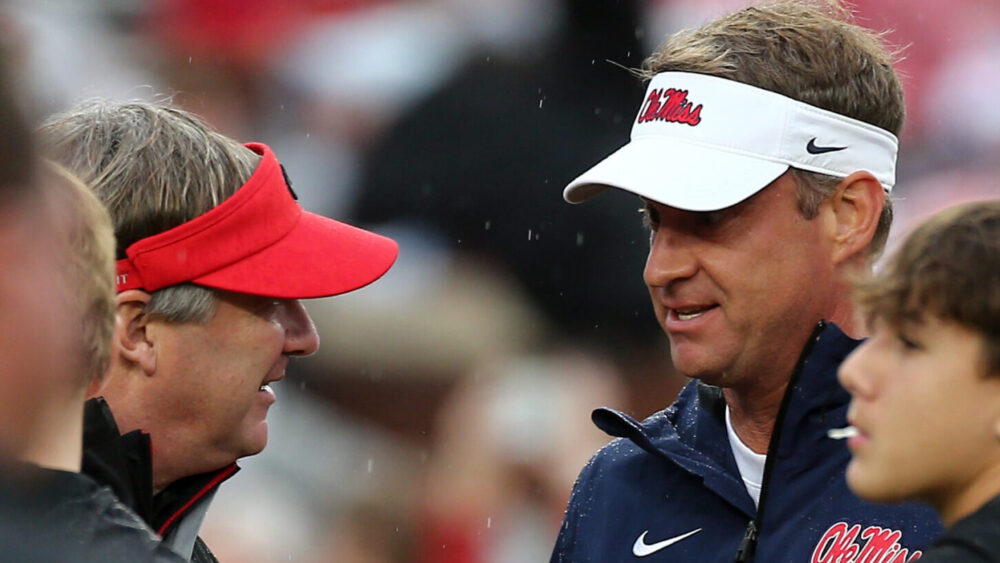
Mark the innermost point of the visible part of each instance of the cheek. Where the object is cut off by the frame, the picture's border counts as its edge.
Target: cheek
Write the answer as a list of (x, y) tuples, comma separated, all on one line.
[(901, 405), (40, 345), (248, 360), (796, 269), (918, 414)]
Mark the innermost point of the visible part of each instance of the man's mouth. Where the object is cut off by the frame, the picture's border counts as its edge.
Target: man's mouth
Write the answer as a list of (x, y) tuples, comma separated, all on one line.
[(274, 375), (688, 313)]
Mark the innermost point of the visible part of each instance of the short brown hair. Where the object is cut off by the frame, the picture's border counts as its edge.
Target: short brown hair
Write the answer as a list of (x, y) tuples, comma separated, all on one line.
[(155, 167), (808, 51), (89, 248), (949, 268)]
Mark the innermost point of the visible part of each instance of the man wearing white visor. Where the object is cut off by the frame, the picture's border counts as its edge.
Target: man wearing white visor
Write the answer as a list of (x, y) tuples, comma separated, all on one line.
[(764, 152)]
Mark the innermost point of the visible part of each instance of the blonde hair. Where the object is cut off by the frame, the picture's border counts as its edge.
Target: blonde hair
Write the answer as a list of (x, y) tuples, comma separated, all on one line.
[(85, 228), (808, 51), (154, 167)]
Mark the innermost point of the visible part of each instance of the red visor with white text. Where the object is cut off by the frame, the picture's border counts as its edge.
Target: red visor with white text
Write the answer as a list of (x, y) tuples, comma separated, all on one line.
[(261, 242)]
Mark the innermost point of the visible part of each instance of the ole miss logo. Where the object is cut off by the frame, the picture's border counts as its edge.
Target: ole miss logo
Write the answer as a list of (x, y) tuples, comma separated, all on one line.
[(670, 105), (844, 543)]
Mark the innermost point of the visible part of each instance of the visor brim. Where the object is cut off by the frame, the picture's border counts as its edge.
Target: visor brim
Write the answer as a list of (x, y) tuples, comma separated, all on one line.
[(320, 257), (679, 174)]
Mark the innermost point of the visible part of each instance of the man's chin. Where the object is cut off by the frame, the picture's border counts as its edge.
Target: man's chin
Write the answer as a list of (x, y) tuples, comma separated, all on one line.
[(696, 368), (256, 441)]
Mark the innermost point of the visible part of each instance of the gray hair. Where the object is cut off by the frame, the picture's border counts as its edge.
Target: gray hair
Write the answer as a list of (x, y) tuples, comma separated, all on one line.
[(155, 167)]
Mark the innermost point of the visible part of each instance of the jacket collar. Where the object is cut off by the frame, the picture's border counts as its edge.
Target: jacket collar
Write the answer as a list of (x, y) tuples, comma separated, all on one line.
[(125, 463), (692, 434)]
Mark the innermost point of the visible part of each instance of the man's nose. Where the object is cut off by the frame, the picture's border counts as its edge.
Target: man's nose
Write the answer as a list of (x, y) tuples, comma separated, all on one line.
[(301, 338), (671, 257)]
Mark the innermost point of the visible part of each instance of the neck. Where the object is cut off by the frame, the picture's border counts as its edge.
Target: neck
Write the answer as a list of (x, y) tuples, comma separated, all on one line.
[(58, 444), (754, 402), (754, 405), (753, 412), (129, 401), (952, 506), (844, 315), (841, 309)]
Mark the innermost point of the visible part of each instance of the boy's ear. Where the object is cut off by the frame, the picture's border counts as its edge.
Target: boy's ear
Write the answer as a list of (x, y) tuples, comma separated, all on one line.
[(131, 344), (856, 206)]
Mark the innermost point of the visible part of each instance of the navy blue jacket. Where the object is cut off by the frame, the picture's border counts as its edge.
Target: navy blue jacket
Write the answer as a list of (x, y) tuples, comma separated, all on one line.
[(670, 490)]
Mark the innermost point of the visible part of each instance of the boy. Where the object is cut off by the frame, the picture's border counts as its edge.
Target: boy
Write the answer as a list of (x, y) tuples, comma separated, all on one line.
[(926, 386)]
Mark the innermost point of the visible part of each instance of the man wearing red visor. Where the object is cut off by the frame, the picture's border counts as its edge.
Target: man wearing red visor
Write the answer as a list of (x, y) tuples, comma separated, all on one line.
[(214, 254)]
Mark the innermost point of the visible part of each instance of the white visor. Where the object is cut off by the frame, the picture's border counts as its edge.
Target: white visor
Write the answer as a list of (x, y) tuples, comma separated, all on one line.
[(703, 143)]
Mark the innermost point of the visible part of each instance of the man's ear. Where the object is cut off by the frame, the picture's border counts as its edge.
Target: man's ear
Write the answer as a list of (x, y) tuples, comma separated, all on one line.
[(131, 345), (856, 206)]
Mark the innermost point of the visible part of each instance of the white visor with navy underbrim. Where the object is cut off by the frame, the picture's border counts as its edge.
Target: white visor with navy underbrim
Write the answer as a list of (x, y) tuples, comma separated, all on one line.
[(703, 143)]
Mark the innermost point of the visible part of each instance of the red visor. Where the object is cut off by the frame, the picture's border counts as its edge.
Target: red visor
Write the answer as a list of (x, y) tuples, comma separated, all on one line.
[(259, 241)]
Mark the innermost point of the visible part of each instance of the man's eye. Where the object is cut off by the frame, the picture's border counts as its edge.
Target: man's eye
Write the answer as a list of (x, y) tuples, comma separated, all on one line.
[(649, 218), (268, 306), (712, 217)]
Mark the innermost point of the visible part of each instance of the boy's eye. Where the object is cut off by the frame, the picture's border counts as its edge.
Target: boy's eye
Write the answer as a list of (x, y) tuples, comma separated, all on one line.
[(907, 342)]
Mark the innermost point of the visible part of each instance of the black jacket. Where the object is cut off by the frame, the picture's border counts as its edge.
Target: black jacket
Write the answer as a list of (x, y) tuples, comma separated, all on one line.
[(97, 525), (124, 463), (50, 515), (973, 539)]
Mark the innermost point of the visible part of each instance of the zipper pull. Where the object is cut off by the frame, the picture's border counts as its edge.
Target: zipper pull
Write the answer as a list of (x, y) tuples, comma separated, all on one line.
[(748, 546)]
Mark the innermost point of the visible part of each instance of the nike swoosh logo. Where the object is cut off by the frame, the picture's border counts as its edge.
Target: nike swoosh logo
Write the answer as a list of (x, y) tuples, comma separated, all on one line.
[(642, 549), (811, 148)]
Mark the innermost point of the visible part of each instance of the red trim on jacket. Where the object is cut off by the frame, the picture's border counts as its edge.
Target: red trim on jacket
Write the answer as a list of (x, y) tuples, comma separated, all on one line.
[(219, 478)]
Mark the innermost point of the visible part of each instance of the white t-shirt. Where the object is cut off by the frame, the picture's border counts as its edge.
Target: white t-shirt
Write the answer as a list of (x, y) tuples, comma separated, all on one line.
[(751, 463)]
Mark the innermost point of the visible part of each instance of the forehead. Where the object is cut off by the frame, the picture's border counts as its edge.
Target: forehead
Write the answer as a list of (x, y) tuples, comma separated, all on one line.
[(773, 197)]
